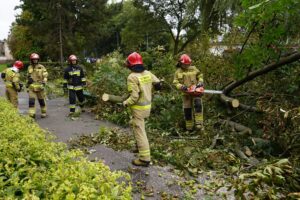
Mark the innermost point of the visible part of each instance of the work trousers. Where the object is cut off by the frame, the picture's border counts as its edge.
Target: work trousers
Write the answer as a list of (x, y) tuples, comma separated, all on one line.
[(72, 99), (41, 97), (12, 96), (137, 123), (193, 111)]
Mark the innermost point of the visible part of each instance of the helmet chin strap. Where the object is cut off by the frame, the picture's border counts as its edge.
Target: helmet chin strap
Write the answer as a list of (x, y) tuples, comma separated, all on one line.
[(15, 69)]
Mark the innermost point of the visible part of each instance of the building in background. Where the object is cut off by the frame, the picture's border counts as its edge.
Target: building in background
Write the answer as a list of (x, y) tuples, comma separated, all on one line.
[(5, 55)]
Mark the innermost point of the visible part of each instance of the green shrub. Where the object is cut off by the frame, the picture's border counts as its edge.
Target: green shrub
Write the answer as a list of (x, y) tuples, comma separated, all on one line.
[(272, 181), (32, 167), (110, 77)]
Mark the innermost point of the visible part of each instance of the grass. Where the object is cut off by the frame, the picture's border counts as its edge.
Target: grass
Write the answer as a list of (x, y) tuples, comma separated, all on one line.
[(2, 67)]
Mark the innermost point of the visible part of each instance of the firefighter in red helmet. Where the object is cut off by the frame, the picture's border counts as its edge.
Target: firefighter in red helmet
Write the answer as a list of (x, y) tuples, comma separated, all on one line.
[(11, 77), (74, 81), (186, 77), (140, 83), (37, 78)]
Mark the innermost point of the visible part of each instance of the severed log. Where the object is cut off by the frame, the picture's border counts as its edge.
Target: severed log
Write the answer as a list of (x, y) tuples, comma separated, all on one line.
[(230, 101), (247, 151), (251, 160), (241, 129), (240, 154), (250, 108), (113, 98)]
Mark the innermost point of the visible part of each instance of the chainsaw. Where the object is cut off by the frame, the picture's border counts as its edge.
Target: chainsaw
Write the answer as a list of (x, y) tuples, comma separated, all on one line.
[(193, 90)]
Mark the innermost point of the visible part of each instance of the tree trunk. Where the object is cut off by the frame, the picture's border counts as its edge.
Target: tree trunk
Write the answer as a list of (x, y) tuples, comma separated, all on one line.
[(176, 44)]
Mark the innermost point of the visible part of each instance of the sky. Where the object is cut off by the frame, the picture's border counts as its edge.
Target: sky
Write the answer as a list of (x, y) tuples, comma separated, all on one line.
[(7, 16)]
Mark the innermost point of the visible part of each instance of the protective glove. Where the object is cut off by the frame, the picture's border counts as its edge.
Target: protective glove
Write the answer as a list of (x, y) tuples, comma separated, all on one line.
[(200, 84), (21, 87), (158, 86), (184, 88)]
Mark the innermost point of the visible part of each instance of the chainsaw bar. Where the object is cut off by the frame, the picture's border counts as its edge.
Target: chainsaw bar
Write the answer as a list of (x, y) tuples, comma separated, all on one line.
[(213, 91)]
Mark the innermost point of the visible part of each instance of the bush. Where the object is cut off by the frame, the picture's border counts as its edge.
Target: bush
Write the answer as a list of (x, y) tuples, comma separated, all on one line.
[(110, 77), (32, 167), (277, 180)]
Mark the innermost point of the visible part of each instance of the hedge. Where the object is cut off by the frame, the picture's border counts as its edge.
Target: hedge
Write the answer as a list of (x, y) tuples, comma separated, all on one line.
[(33, 167)]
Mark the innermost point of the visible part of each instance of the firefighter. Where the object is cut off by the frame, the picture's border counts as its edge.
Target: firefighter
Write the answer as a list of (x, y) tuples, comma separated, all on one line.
[(74, 82), (37, 79), (185, 76), (140, 83), (11, 77)]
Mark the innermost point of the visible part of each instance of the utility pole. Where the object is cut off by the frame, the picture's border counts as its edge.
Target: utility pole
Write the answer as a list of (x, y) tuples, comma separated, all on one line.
[(60, 36), (147, 40), (117, 37)]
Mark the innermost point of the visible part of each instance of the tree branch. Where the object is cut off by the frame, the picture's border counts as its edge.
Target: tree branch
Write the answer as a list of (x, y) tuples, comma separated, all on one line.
[(248, 36), (267, 68)]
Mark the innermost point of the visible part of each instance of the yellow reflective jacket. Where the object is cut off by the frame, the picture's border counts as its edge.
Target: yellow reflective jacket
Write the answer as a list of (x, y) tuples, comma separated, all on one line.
[(140, 89), (189, 76), (38, 73), (12, 78)]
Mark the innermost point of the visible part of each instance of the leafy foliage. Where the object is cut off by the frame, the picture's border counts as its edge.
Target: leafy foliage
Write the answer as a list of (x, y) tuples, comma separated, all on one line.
[(139, 29), (32, 167), (270, 32), (110, 77), (272, 181), (37, 28), (187, 20)]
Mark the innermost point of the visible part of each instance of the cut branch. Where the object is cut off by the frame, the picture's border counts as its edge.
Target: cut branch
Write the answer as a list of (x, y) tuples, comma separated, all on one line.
[(241, 129), (230, 101), (113, 98)]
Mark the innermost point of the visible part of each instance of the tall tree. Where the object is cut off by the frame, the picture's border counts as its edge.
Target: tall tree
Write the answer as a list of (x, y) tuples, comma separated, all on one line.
[(140, 29), (79, 20), (20, 40), (187, 19)]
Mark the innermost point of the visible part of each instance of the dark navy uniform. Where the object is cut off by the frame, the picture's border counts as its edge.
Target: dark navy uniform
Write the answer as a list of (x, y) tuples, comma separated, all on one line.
[(74, 81)]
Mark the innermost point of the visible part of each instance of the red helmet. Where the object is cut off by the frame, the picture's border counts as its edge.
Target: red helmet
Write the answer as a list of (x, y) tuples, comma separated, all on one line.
[(34, 56), (72, 58), (134, 59), (19, 64), (185, 59)]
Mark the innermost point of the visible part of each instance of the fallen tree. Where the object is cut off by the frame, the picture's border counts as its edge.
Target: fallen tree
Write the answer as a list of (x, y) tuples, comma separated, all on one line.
[(293, 57)]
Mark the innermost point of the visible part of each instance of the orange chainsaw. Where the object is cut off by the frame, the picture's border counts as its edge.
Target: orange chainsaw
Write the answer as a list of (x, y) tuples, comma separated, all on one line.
[(193, 90)]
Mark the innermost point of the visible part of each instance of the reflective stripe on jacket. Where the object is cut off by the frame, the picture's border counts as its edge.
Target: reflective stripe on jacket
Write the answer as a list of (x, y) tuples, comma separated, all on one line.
[(38, 73), (12, 78), (187, 77), (74, 77), (140, 88)]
